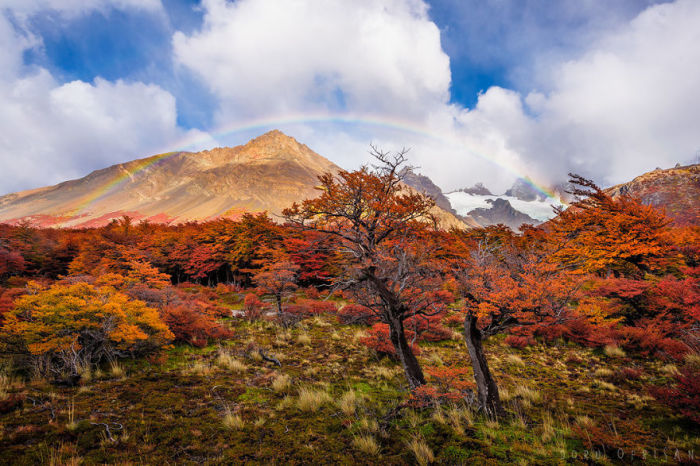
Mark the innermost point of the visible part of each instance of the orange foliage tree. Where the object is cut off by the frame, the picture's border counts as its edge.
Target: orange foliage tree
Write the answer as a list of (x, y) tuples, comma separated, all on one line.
[(386, 252), (69, 328), (277, 275), (507, 281)]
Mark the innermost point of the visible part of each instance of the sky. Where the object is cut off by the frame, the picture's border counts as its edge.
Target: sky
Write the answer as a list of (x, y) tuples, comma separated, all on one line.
[(478, 90)]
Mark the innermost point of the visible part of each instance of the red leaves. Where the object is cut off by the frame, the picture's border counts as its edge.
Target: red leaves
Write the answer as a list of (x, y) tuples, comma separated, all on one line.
[(253, 308), (194, 327), (684, 398), (357, 314), (378, 339), (446, 384)]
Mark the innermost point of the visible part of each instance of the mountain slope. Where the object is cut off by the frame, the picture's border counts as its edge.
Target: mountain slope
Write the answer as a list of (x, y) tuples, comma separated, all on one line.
[(677, 190), (268, 173), (501, 211)]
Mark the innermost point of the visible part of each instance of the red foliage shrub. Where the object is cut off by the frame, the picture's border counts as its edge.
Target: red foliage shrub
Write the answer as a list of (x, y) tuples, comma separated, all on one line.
[(7, 299), (455, 319), (684, 398), (578, 330), (316, 307), (428, 328), (298, 309), (312, 292), (253, 308), (379, 340), (310, 307), (628, 373), (424, 396), (193, 327), (356, 314), (447, 384), (519, 341), (648, 340)]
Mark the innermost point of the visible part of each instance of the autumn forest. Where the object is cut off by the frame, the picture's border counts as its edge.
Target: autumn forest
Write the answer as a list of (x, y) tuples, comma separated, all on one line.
[(354, 329)]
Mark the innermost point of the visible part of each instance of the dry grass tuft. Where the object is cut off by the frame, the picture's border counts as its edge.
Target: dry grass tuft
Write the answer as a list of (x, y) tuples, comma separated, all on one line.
[(71, 425), (603, 372), (604, 385), (311, 399), (197, 368), (613, 351), (548, 432), (281, 383), (670, 370), (116, 369), (366, 444), (424, 455), (232, 420), (348, 402), (526, 393), (225, 360), (368, 425), (692, 359), (304, 339), (585, 421), (515, 360)]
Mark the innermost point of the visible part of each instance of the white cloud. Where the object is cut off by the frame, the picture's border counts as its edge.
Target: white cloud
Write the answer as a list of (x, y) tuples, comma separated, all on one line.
[(267, 56), (628, 103), (52, 131), (625, 104), (632, 102)]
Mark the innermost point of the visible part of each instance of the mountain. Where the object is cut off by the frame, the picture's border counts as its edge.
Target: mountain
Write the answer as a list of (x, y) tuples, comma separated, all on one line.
[(425, 185), (268, 173), (501, 212), (523, 191), (677, 190), (477, 190)]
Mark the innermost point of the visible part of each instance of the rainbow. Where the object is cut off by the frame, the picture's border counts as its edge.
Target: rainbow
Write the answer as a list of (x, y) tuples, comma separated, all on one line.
[(263, 124), (192, 142), (117, 181)]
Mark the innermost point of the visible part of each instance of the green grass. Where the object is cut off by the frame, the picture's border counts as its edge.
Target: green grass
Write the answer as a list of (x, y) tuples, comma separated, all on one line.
[(164, 413)]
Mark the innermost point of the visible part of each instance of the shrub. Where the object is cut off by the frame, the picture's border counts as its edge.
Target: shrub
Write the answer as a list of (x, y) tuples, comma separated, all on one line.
[(446, 384), (194, 327), (356, 314), (67, 328), (628, 373), (427, 328), (519, 341), (253, 308), (312, 292), (378, 339), (684, 398)]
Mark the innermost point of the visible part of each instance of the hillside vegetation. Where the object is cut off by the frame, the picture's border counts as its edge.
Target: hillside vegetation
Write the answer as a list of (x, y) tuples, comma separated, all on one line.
[(355, 332)]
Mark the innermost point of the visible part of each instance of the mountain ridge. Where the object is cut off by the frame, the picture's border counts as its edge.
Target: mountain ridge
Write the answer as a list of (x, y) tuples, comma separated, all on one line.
[(268, 173)]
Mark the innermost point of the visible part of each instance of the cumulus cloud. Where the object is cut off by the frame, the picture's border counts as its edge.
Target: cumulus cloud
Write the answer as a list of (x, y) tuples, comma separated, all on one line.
[(630, 103), (624, 101), (262, 56), (627, 103), (54, 131)]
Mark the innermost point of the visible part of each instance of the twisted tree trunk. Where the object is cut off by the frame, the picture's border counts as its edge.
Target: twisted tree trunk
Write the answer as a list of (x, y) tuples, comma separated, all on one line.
[(487, 390), (411, 367)]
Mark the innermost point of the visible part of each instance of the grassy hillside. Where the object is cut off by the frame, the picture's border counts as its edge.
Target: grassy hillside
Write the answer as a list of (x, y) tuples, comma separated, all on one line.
[(333, 400)]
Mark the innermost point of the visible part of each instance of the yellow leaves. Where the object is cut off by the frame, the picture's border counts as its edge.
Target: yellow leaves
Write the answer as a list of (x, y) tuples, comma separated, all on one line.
[(53, 320)]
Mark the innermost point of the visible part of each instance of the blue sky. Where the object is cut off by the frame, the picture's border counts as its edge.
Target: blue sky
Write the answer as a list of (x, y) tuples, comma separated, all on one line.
[(490, 43), (482, 90)]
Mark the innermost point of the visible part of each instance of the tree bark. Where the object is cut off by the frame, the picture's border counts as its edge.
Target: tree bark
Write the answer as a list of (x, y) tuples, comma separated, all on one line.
[(278, 300), (411, 367), (487, 390)]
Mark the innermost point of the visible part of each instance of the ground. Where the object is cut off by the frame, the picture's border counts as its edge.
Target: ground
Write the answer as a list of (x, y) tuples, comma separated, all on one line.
[(333, 400)]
